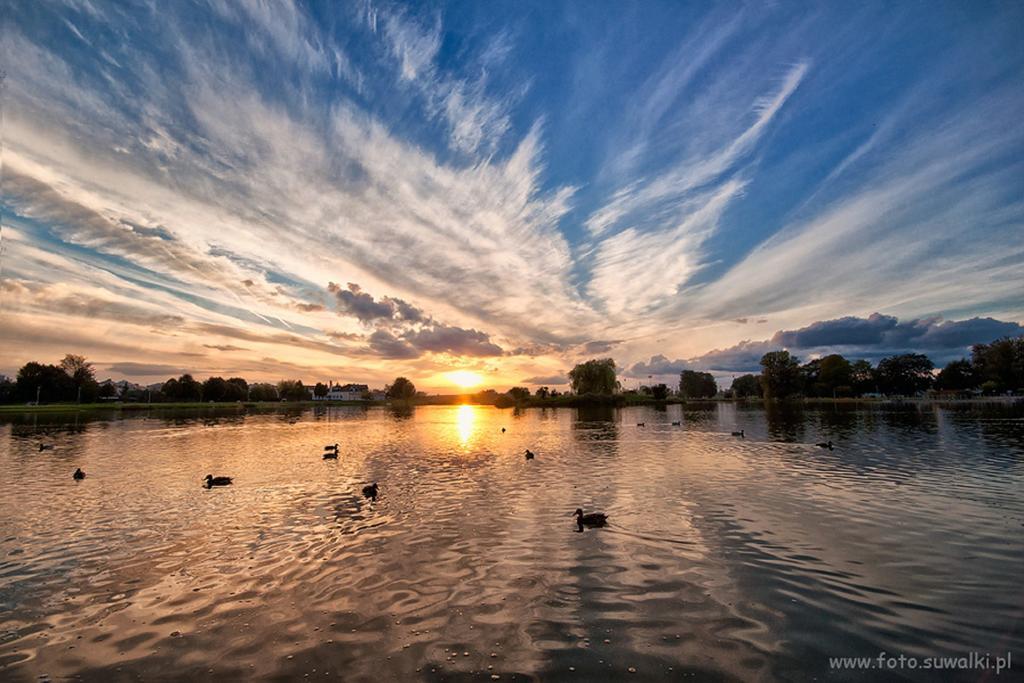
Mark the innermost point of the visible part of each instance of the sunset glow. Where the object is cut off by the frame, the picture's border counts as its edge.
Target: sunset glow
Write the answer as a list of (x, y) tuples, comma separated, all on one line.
[(465, 379)]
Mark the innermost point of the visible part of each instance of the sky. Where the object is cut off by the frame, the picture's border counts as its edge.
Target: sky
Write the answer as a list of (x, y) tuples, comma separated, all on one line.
[(357, 191)]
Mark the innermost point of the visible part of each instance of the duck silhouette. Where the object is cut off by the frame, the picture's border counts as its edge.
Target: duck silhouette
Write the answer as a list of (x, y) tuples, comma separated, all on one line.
[(591, 519), (676, 424), (502, 430), (331, 448), (212, 481), (740, 434), (79, 474), (45, 447), (330, 455), (641, 424), (529, 454), (370, 491), (824, 444)]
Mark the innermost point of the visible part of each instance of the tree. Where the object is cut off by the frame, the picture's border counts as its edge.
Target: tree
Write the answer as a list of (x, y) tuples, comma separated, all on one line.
[(780, 374), (693, 384), (519, 394), (320, 390), (237, 389), (905, 374), (862, 377), (827, 376), (82, 376), (292, 390), (543, 392), (659, 392), (108, 390), (7, 390), (215, 389), (746, 386), (594, 377), (401, 389), (958, 375), (185, 388), (1000, 364), (47, 382), (263, 392)]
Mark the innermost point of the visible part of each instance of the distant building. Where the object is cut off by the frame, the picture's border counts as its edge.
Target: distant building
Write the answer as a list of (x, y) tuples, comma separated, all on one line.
[(344, 392)]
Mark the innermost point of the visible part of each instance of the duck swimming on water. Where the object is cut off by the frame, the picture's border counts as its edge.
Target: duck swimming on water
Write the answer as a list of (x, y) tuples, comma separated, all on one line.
[(824, 444), (502, 430), (529, 454), (370, 491), (79, 474), (331, 448), (45, 447), (591, 519), (330, 455), (676, 424), (212, 481), (740, 434)]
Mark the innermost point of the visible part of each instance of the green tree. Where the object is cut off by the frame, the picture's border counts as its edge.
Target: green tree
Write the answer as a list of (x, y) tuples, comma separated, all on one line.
[(519, 394), (82, 376), (184, 388), (746, 386), (543, 393), (215, 389), (1000, 365), (7, 390), (292, 390), (659, 392), (958, 375), (693, 384), (320, 390), (828, 376), (595, 376), (263, 392), (401, 389), (862, 377), (905, 374), (47, 382), (237, 389), (780, 374)]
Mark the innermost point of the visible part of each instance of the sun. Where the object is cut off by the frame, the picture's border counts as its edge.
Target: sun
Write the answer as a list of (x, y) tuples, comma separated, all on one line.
[(464, 379)]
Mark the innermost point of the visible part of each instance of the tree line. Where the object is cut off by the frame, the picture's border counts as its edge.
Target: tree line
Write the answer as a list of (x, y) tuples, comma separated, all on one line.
[(73, 380)]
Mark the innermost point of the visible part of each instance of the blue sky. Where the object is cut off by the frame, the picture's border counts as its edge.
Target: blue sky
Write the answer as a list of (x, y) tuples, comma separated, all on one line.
[(362, 190)]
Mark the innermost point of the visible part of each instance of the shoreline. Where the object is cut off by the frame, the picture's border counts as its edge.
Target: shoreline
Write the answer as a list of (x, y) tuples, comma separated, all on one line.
[(617, 401)]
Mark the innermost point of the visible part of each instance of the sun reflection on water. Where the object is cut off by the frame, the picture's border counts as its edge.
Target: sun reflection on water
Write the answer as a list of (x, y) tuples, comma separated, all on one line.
[(464, 419)]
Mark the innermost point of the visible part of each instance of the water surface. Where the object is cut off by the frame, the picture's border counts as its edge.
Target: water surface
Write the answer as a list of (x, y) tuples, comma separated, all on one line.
[(726, 558)]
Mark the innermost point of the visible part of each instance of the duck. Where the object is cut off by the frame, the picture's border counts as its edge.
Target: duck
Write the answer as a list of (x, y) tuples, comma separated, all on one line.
[(740, 434), (641, 424), (591, 519), (529, 454), (330, 455), (79, 474), (45, 447), (824, 444), (502, 430), (331, 448), (212, 481), (676, 424), (370, 491)]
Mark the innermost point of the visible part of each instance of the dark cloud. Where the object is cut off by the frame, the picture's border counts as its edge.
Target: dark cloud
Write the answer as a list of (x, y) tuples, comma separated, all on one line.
[(557, 380), (353, 301), (387, 345), (309, 308), (438, 338), (600, 346), (870, 338), (658, 365), (742, 321), (225, 347)]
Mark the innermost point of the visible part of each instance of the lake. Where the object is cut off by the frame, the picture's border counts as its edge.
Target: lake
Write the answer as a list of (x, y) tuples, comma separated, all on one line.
[(726, 558)]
